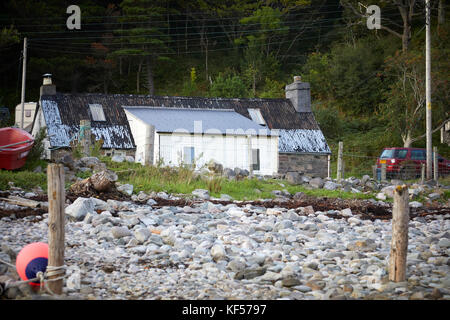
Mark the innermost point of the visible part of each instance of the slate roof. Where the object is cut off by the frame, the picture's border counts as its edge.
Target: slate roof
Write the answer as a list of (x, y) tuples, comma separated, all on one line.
[(62, 114), (302, 131), (225, 121)]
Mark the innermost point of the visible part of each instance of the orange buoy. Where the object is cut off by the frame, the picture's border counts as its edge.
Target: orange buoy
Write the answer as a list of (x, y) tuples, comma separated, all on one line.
[(32, 259)]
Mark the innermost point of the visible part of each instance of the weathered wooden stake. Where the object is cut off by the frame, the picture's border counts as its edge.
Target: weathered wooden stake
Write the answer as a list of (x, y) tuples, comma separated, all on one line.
[(85, 136), (399, 242), (383, 171), (339, 163), (422, 174), (374, 172), (250, 154), (56, 200), (435, 165), (329, 166)]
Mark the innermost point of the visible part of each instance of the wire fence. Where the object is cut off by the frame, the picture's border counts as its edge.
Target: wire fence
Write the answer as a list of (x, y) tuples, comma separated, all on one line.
[(358, 164)]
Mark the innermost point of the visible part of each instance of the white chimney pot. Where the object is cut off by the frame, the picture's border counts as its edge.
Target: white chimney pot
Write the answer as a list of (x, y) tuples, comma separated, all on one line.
[(47, 79)]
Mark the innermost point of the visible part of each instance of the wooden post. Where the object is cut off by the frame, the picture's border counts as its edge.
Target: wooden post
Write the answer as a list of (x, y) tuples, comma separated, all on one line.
[(339, 163), (383, 171), (435, 165), (329, 166), (250, 155), (56, 222), (422, 173), (374, 172), (399, 242), (85, 136), (149, 144)]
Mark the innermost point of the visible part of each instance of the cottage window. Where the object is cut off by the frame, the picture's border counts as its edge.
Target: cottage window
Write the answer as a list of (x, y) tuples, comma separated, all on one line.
[(188, 155), (97, 113), (255, 159), (256, 116), (27, 113)]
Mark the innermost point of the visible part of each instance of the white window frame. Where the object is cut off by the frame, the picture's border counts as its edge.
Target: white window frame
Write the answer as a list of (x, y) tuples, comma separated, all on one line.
[(97, 113), (188, 155), (256, 116)]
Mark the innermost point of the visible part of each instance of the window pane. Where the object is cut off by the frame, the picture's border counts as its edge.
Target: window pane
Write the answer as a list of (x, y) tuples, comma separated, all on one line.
[(417, 155), (388, 153), (188, 155), (255, 159), (97, 112), (402, 154)]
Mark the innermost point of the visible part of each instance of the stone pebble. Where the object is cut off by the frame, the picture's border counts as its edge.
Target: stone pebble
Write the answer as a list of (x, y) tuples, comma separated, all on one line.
[(213, 251)]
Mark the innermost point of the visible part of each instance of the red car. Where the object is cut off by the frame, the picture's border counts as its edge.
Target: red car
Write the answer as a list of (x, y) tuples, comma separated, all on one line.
[(406, 163)]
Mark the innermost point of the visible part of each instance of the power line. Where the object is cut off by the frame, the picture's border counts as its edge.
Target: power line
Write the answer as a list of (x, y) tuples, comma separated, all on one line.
[(190, 33), (62, 50)]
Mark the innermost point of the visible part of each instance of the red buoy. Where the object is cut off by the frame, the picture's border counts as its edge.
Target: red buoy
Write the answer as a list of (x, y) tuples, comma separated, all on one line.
[(32, 259)]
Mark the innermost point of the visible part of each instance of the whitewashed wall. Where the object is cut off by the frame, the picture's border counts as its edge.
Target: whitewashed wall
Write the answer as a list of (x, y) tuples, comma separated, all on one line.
[(231, 150), (39, 123), (140, 131), (28, 106)]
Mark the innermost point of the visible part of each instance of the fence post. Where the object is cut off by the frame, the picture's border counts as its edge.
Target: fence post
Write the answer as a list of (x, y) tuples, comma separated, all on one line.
[(383, 171), (399, 242), (339, 163), (250, 155), (435, 165), (56, 222), (85, 136), (374, 172), (329, 166), (422, 174)]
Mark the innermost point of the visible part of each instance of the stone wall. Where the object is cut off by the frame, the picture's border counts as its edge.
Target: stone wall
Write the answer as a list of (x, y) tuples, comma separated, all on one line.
[(314, 165), (58, 154)]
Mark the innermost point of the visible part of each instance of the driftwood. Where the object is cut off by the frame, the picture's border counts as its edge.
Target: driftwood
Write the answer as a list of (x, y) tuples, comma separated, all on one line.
[(103, 181), (22, 202)]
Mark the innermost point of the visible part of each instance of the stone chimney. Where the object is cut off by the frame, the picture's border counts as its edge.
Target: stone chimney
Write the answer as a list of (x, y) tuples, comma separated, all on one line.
[(47, 88), (300, 95)]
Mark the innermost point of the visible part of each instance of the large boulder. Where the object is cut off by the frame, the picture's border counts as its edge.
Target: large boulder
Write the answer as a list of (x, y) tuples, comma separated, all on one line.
[(293, 177), (229, 173), (215, 167), (79, 208), (388, 191), (330, 185), (126, 188), (117, 158), (316, 183), (201, 193)]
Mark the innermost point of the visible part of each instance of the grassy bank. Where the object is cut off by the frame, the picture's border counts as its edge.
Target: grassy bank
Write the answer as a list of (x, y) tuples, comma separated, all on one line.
[(181, 180)]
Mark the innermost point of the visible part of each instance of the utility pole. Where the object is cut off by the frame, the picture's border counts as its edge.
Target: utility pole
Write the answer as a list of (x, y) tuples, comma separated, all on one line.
[(24, 73), (428, 91)]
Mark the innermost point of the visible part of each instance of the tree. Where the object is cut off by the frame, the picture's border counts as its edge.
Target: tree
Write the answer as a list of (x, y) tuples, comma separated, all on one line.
[(259, 61), (350, 76), (405, 99), (406, 10), (142, 37), (228, 86)]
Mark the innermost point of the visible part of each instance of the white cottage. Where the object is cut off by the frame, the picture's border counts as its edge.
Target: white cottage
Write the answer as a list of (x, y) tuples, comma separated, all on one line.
[(175, 136)]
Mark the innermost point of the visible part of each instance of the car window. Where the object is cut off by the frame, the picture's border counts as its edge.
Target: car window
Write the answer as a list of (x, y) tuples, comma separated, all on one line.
[(387, 153), (402, 154), (417, 155)]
